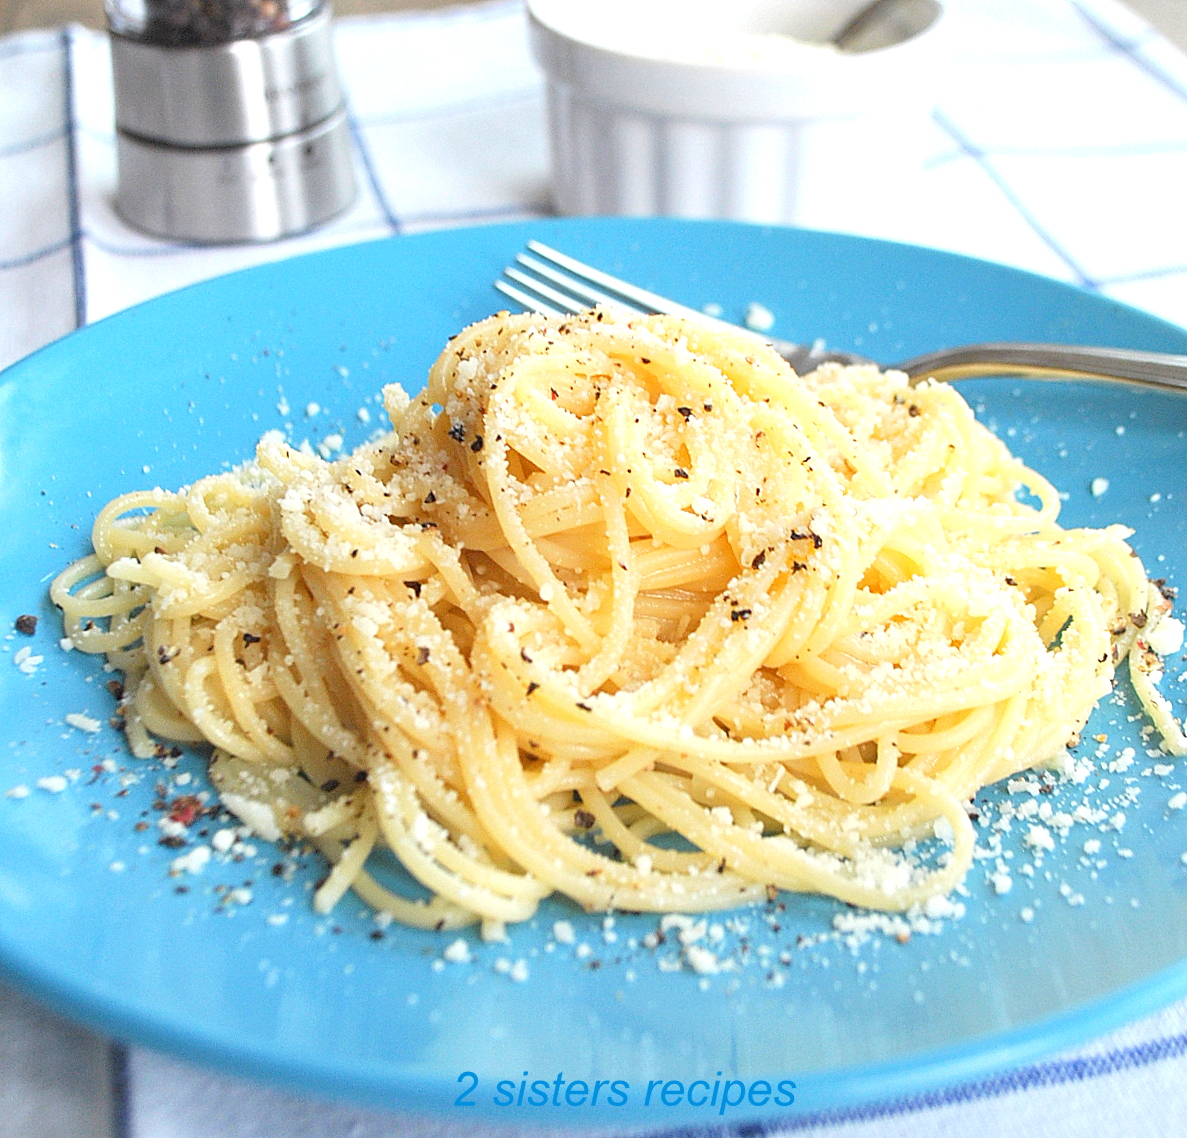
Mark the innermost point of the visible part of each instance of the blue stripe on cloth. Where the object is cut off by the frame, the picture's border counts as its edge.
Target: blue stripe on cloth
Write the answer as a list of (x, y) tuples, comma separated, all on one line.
[(36, 255), (369, 168), (1144, 275), (1104, 150), (981, 158), (77, 266), (1059, 1072), (180, 248), (121, 1098), (31, 143), (1128, 49)]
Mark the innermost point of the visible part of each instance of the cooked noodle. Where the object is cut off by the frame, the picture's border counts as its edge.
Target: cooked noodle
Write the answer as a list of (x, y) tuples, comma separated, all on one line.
[(624, 611)]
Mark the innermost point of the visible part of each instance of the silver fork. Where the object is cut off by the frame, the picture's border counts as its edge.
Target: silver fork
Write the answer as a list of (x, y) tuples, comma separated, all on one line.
[(547, 281)]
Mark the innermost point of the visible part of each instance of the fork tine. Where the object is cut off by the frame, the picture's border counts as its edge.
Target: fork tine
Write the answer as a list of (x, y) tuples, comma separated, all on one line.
[(571, 284), (579, 293), (558, 299), (640, 297), (531, 303)]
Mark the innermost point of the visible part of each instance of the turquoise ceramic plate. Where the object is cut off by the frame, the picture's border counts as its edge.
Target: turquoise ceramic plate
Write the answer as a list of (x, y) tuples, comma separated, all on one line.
[(91, 921)]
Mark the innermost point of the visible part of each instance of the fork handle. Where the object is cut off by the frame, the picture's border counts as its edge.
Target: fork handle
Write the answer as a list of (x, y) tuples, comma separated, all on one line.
[(1051, 361)]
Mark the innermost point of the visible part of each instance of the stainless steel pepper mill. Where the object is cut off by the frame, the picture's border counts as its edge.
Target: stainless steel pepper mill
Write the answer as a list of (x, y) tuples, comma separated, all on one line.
[(230, 125)]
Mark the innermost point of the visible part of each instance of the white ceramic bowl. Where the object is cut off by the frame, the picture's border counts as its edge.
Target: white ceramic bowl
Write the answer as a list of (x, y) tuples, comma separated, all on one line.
[(698, 108)]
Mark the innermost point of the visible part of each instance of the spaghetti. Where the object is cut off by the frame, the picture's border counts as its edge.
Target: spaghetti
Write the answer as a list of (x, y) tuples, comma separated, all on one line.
[(622, 610)]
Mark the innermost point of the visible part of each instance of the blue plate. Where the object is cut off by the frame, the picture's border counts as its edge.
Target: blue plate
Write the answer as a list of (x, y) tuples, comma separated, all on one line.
[(91, 920)]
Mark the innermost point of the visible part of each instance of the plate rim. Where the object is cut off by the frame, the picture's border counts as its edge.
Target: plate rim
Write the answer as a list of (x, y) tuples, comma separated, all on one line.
[(949, 1065)]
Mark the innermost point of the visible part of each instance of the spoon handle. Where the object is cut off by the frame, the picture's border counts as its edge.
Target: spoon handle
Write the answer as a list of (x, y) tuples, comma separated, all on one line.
[(1063, 361), (884, 23)]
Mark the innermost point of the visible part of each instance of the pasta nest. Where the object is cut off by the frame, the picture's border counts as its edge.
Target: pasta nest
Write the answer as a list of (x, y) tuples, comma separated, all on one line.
[(621, 609)]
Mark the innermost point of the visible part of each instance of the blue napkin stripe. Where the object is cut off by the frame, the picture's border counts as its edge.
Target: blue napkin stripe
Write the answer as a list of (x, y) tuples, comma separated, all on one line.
[(1130, 48), (77, 263), (981, 157), (368, 164), (35, 256), (1058, 1072)]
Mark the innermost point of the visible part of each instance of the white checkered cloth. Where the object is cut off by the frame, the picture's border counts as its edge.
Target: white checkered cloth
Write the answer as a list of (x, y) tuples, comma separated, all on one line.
[(1059, 146)]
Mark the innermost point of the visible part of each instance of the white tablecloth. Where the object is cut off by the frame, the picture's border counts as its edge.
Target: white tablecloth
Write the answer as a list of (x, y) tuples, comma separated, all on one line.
[(1059, 144)]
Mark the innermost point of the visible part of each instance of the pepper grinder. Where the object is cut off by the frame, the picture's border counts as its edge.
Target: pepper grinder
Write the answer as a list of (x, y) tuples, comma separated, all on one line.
[(230, 123)]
